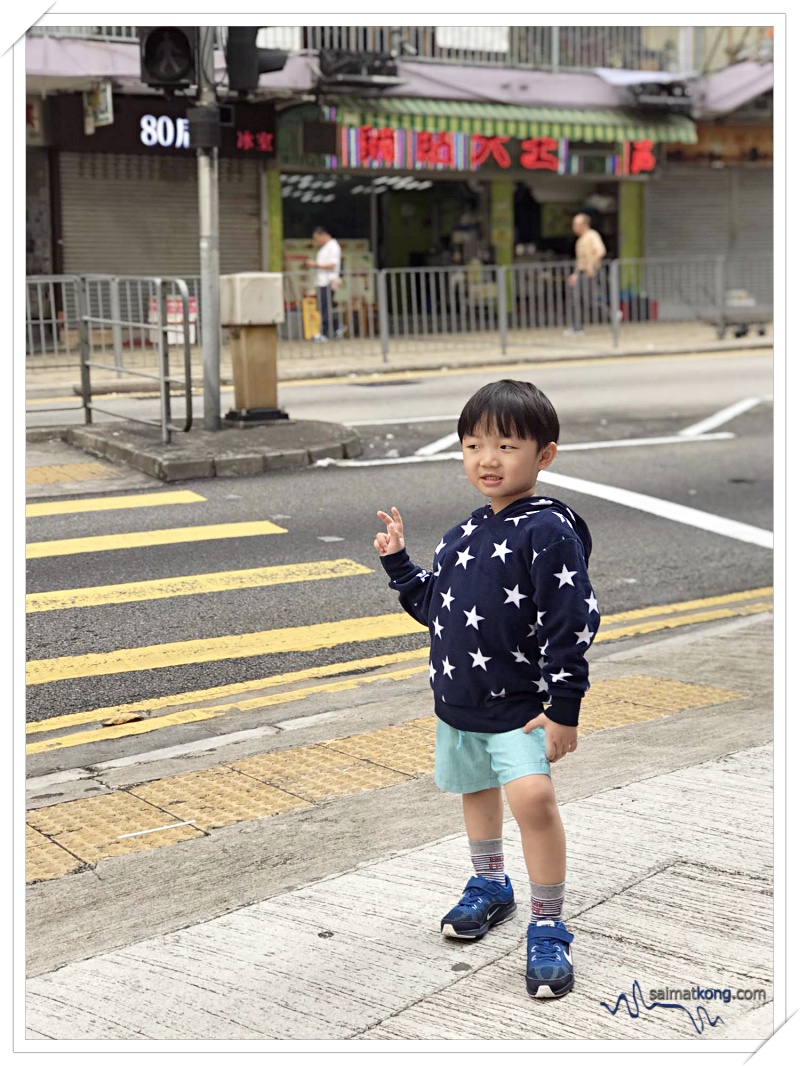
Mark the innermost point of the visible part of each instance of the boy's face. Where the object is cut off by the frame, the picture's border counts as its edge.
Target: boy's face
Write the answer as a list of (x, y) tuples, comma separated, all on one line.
[(504, 468)]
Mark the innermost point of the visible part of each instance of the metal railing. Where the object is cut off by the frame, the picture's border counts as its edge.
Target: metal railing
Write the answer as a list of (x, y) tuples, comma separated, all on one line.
[(83, 319), (529, 47), (377, 312)]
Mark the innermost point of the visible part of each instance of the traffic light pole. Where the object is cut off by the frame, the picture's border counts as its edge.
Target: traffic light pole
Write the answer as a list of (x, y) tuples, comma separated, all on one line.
[(208, 194)]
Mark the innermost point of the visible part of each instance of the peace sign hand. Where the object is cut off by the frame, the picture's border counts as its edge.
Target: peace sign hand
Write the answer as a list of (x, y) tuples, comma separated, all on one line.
[(392, 540)]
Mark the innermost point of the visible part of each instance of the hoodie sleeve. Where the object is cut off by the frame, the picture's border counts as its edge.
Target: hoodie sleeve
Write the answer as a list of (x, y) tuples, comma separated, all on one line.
[(414, 583), (567, 621)]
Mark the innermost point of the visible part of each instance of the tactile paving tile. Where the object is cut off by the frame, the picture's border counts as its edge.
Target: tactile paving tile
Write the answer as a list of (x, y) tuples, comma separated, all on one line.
[(45, 860), (92, 828), (317, 773), (406, 748), (217, 797), (641, 698), (43, 475)]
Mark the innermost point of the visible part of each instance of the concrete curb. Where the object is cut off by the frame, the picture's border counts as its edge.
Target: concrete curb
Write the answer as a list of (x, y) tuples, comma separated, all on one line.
[(301, 373), (259, 449)]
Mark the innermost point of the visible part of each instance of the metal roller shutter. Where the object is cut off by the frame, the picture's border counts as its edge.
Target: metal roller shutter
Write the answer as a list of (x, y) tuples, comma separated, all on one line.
[(134, 214), (687, 213), (753, 216)]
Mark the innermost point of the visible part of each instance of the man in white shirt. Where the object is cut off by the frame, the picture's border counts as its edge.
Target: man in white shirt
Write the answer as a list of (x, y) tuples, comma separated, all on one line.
[(589, 254), (329, 265)]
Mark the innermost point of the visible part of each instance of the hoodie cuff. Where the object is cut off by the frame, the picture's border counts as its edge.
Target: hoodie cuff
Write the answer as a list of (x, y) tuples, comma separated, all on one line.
[(564, 710), (398, 565)]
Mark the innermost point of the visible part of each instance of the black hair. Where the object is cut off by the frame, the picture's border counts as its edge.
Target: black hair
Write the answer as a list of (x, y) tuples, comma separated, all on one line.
[(320, 229), (512, 409)]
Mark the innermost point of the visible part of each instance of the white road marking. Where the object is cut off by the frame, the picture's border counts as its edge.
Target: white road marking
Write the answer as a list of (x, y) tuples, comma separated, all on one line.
[(721, 417), (158, 829), (675, 512), (635, 442), (437, 445)]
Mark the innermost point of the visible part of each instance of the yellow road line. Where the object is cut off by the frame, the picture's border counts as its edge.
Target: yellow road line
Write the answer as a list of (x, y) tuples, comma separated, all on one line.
[(220, 692), (111, 503), (45, 475), (46, 549), (686, 605), (203, 714), (236, 646), (683, 620), (193, 585)]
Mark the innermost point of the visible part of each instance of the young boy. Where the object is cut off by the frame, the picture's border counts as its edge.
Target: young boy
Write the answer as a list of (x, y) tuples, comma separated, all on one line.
[(511, 613)]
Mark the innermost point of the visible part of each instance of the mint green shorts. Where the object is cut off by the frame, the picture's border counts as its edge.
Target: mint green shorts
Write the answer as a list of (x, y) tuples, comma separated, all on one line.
[(471, 762)]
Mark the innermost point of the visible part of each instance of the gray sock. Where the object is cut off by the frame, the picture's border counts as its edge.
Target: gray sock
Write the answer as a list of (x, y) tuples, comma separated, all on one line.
[(546, 901), (487, 859)]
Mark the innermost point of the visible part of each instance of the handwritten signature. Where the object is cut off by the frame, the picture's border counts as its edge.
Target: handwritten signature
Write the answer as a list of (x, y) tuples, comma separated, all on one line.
[(697, 1021)]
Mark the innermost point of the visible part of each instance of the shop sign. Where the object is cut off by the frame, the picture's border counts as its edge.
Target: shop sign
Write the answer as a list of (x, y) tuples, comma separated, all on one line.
[(160, 127), (367, 146), (34, 132)]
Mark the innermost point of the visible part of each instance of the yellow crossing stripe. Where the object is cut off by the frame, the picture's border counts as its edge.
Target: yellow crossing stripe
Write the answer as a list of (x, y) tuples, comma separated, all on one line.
[(45, 475), (237, 646), (111, 503), (192, 585), (118, 541), (220, 692)]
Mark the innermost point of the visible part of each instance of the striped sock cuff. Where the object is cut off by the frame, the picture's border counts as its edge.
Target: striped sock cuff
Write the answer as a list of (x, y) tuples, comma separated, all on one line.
[(488, 860), (547, 901)]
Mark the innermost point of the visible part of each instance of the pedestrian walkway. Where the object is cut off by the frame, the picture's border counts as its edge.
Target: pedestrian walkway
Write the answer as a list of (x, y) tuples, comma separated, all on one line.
[(50, 375)]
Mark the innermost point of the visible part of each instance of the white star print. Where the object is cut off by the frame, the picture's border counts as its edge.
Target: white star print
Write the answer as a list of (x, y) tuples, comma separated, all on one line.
[(535, 556), (562, 675), (520, 656), (501, 551), (592, 603), (447, 668), (516, 519), (432, 671), (438, 627), (469, 528), (438, 570), (566, 576), (585, 634), (514, 596), (542, 503), (541, 685), (498, 695), (464, 558), (543, 647), (479, 659), (542, 663), (531, 631), (423, 575), (439, 546), (562, 518), (447, 599), (473, 617)]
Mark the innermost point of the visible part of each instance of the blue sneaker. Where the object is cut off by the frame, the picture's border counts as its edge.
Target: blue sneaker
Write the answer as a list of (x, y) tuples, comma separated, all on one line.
[(549, 972), (484, 904)]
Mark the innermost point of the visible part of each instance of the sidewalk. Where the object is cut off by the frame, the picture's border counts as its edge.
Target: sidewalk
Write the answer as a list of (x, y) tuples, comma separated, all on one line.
[(310, 924), (47, 375)]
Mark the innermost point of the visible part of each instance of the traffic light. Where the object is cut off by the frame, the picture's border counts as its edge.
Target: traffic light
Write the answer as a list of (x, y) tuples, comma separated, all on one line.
[(168, 56), (246, 61)]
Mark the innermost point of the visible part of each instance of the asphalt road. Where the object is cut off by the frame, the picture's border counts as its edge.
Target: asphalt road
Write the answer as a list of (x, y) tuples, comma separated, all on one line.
[(639, 558)]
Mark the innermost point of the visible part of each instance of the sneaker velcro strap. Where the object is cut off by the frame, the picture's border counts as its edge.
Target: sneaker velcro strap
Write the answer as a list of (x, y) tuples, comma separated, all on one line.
[(549, 932)]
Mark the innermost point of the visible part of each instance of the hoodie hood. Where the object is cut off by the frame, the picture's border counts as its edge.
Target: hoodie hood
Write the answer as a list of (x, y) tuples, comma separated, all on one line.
[(529, 504)]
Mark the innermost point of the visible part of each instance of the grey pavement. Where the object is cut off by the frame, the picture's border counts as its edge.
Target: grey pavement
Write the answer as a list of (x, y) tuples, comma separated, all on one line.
[(324, 925)]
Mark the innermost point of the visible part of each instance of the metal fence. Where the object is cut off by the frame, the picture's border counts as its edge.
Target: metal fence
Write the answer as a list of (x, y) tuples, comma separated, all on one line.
[(89, 320), (397, 311)]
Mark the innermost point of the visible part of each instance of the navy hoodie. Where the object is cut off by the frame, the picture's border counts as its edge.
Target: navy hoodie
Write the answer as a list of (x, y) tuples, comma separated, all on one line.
[(511, 612)]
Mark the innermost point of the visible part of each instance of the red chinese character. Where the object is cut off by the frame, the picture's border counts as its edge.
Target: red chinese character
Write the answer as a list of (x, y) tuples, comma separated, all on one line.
[(485, 147), (435, 149), (377, 146), (537, 153), (244, 140), (642, 158), (264, 142)]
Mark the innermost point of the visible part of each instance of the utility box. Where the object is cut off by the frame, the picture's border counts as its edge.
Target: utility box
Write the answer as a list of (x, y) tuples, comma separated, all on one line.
[(251, 308)]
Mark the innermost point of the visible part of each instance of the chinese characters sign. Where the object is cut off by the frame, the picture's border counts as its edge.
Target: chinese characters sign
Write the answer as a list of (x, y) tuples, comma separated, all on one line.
[(367, 146)]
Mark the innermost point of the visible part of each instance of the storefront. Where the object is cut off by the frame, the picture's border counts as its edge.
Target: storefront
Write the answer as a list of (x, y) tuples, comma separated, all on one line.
[(714, 197), (435, 183), (125, 195), (38, 235)]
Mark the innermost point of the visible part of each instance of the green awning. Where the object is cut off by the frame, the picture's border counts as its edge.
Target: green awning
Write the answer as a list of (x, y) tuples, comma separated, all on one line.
[(512, 120)]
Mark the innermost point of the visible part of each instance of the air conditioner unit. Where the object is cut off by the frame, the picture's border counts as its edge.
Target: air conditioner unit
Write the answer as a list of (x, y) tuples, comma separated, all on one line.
[(375, 70), (673, 97)]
